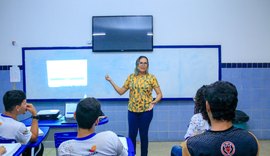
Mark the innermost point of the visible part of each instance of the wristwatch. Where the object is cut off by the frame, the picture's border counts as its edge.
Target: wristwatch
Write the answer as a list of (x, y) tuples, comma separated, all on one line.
[(35, 117)]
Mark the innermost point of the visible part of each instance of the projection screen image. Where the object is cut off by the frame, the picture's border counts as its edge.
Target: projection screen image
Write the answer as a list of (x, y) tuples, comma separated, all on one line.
[(66, 73)]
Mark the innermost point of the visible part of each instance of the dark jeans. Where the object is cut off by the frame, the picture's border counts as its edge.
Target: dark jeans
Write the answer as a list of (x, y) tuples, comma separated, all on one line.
[(38, 151), (140, 122)]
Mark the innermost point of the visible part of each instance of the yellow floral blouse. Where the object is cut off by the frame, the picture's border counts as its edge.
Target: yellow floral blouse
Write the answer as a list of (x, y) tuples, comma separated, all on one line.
[(140, 95)]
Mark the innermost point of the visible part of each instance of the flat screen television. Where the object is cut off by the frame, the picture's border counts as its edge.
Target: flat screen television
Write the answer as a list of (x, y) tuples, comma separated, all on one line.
[(122, 33)]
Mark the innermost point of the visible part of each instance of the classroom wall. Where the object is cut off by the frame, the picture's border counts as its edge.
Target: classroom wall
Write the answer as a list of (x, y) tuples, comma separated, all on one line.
[(171, 118), (241, 27)]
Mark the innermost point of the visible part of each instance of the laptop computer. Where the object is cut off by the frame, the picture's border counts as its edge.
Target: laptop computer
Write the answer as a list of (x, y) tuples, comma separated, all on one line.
[(70, 108)]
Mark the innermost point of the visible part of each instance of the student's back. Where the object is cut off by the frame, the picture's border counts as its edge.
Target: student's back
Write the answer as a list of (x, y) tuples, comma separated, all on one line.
[(13, 129), (103, 143), (87, 141), (234, 141), (10, 128), (222, 139)]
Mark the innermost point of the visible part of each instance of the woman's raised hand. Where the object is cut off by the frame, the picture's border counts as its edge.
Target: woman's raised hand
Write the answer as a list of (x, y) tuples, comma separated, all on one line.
[(108, 78)]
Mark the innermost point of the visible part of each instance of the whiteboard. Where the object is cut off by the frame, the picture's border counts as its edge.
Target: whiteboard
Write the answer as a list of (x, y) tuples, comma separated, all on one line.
[(180, 70)]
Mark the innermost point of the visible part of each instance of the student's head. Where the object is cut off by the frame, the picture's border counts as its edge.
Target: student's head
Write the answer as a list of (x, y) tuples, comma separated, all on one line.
[(141, 65), (221, 99), (87, 112), (14, 99), (199, 101)]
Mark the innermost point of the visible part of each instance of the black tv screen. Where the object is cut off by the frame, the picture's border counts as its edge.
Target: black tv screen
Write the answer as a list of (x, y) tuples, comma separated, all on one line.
[(122, 33)]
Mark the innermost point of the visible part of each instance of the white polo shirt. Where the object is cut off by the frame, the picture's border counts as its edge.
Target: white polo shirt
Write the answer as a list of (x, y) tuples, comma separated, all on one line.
[(13, 129), (101, 144)]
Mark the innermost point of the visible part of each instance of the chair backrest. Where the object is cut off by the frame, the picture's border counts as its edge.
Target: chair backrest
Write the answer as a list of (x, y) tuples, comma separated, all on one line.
[(131, 150), (63, 136), (176, 150), (5, 140), (129, 144), (60, 137)]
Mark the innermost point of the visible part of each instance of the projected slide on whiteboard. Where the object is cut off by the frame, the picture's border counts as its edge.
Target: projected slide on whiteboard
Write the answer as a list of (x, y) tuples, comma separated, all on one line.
[(73, 73), (65, 73)]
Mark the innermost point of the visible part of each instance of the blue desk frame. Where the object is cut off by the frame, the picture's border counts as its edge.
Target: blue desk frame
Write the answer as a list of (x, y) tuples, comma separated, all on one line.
[(33, 144), (58, 123), (20, 150)]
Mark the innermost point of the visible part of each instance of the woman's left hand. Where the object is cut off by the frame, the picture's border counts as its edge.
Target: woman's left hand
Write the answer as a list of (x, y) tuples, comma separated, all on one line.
[(152, 104)]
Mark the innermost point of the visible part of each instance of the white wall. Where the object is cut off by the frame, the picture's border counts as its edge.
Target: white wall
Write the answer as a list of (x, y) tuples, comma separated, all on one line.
[(242, 27)]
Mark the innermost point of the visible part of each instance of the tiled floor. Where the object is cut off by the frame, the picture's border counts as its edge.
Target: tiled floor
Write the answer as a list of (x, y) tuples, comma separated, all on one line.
[(164, 148)]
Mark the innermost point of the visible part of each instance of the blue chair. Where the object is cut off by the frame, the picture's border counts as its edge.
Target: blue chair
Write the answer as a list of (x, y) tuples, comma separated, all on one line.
[(5, 140), (176, 150), (131, 151), (60, 137)]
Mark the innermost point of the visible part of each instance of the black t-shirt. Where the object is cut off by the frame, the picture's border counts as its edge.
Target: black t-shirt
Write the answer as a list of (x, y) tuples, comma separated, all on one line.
[(231, 142)]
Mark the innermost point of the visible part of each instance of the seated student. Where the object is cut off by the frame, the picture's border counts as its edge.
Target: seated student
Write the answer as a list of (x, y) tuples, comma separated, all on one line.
[(15, 104), (88, 142), (199, 121), (222, 138)]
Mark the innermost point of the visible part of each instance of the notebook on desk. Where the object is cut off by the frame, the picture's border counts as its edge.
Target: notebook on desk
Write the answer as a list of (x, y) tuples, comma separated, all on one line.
[(11, 148), (70, 108), (40, 132)]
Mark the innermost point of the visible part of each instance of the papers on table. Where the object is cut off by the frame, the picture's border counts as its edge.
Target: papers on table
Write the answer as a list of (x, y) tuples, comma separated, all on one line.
[(124, 142), (40, 132), (11, 148)]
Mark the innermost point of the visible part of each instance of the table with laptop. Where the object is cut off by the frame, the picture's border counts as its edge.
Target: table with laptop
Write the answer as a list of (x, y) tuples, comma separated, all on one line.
[(53, 118), (60, 122)]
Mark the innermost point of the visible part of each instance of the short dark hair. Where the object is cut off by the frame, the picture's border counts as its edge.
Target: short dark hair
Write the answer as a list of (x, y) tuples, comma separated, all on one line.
[(87, 112), (13, 98), (222, 98)]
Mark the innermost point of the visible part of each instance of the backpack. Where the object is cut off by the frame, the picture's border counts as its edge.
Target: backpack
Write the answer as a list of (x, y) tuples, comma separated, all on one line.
[(240, 117)]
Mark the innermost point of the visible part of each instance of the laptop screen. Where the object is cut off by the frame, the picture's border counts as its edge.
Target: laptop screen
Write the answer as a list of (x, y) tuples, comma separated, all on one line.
[(70, 108)]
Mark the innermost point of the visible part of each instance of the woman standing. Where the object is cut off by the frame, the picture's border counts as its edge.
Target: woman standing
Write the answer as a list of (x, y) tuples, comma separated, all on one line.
[(141, 103)]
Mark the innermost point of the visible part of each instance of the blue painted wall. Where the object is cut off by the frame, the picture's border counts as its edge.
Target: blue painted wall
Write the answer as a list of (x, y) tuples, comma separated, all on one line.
[(172, 117)]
